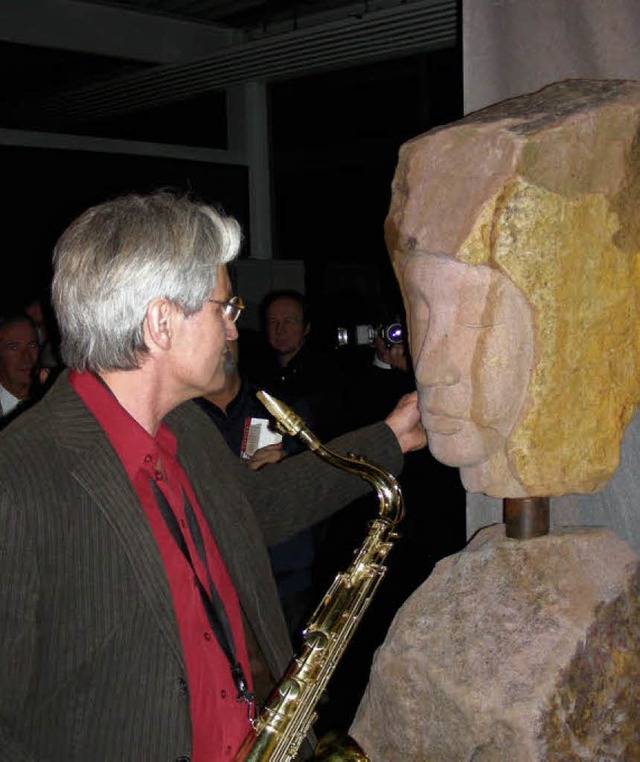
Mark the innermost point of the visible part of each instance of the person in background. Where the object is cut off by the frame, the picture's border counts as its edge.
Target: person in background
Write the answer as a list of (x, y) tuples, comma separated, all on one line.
[(39, 310), (138, 612), (293, 368), (19, 350), (231, 406), (385, 378)]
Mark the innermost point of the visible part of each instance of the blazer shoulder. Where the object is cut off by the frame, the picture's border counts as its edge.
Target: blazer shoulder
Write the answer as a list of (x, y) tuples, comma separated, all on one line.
[(59, 423), (190, 423)]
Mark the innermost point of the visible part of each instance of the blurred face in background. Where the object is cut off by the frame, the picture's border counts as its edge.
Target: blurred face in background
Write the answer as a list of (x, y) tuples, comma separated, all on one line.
[(285, 328), (18, 357)]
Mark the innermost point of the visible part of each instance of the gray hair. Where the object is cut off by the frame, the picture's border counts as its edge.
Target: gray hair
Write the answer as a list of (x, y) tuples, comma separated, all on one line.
[(117, 257)]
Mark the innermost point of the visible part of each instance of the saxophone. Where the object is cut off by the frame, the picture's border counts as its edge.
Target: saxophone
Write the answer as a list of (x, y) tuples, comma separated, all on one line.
[(280, 729)]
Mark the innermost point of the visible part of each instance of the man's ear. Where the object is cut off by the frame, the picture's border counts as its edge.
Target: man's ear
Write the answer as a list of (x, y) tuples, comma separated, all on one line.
[(158, 323), (307, 329)]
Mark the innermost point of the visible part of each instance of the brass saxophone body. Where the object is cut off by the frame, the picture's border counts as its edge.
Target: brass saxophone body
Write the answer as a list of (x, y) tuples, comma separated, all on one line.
[(280, 729)]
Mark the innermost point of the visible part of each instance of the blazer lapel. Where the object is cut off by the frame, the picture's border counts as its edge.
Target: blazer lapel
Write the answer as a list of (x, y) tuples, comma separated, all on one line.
[(99, 472), (236, 533)]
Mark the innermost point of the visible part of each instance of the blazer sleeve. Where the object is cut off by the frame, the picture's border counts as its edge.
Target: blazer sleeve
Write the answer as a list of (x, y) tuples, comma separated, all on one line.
[(19, 592), (301, 490)]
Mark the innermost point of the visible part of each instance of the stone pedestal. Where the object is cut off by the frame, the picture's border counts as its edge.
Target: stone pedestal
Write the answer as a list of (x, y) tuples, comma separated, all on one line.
[(513, 650)]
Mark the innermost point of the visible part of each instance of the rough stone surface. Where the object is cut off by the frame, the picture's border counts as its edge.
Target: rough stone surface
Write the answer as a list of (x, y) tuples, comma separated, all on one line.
[(510, 651), (545, 189)]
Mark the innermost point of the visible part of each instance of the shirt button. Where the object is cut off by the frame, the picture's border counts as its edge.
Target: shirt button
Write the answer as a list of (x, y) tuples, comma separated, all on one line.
[(223, 693), (207, 636), (148, 458), (158, 476), (227, 750)]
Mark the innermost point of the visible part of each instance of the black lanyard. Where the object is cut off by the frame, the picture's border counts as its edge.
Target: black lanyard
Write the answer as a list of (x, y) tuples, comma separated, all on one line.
[(211, 601)]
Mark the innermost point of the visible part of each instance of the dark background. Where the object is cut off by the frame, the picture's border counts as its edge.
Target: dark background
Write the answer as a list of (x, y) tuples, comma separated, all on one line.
[(49, 188), (334, 144)]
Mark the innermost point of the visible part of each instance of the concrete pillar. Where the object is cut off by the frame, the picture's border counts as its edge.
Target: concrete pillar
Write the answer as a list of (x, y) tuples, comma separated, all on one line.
[(248, 126)]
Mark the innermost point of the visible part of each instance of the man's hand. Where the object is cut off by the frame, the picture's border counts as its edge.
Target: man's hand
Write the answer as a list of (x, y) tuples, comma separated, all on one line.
[(404, 421), (265, 455)]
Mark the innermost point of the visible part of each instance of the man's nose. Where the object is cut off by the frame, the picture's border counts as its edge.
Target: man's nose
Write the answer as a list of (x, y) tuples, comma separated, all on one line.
[(28, 354), (230, 330)]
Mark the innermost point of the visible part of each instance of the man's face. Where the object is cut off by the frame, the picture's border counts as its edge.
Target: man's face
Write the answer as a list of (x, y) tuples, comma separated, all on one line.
[(201, 351), (18, 357), (285, 326), (231, 358), (471, 339)]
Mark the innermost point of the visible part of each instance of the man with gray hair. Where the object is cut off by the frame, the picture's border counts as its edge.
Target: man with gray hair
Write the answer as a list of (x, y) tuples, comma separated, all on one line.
[(138, 614)]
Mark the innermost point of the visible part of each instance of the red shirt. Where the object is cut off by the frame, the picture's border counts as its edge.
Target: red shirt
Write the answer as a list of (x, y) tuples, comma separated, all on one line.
[(219, 722)]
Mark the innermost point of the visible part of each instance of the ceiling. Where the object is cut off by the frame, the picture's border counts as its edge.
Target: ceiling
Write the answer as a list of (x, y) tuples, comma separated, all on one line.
[(254, 17), (72, 64)]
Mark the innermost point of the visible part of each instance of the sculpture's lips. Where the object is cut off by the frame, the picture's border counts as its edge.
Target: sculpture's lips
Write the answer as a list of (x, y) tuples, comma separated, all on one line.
[(442, 424)]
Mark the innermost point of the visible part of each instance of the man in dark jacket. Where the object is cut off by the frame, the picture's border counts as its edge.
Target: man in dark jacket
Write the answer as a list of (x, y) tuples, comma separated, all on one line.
[(137, 603), (293, 368)]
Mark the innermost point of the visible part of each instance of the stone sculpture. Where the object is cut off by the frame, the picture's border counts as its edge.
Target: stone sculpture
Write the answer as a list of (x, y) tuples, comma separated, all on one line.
[(515, 236)]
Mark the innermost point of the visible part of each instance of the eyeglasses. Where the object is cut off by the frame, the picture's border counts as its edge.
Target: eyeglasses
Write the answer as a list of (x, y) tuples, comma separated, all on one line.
[(232, 308)]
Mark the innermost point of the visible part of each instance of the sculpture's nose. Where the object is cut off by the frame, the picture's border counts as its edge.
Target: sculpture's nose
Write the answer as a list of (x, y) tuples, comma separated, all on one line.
[(438, 362)]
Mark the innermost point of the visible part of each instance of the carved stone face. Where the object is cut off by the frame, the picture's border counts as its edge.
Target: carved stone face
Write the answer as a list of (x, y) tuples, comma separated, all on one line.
[(471, 337), (529, 210)]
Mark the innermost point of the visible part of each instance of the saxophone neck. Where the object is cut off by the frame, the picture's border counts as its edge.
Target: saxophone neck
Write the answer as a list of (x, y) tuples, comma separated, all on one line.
[(385, 484), (287, 421)]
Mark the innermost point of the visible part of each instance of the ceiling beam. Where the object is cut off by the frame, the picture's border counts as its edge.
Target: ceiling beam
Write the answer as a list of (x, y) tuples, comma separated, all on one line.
[(406, 30), (57, 141), (109, 31)]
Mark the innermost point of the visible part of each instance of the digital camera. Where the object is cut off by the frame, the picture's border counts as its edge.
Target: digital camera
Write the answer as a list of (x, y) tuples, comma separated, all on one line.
[(365, 335)]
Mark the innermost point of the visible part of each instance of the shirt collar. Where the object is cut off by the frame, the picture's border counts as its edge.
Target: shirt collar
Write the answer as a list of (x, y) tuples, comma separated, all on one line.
[(378, 363), (8, 401), (135, 447)]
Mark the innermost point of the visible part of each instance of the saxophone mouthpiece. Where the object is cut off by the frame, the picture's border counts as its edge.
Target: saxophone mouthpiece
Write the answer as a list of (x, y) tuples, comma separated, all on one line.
[(287, 420)]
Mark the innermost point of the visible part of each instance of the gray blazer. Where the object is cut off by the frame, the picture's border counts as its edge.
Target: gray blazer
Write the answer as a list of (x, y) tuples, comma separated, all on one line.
[(92, 662)]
